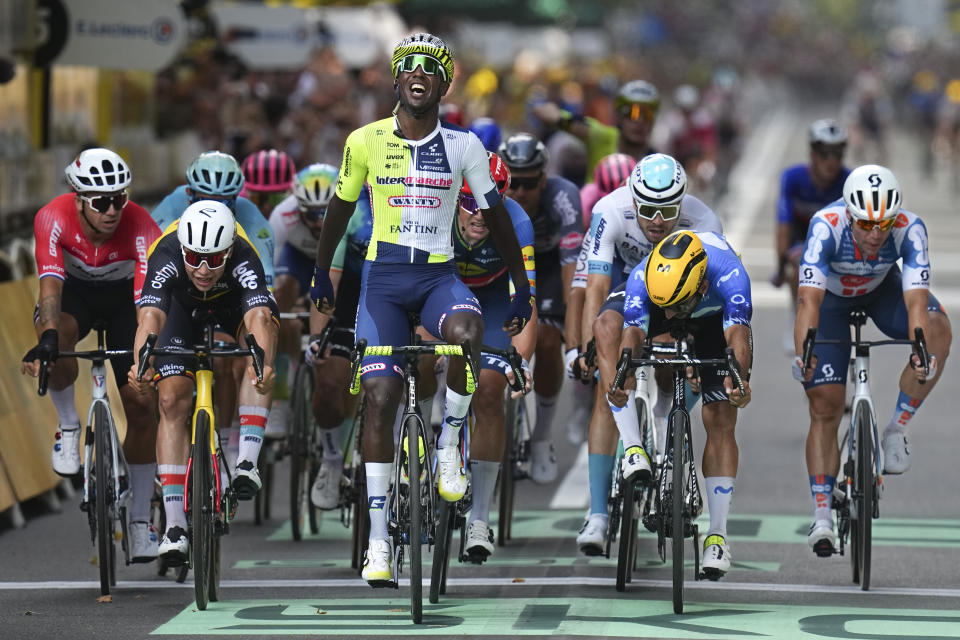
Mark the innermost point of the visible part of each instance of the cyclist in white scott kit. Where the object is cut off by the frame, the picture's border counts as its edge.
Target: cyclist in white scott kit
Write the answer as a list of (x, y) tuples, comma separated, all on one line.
[(849, 262), (414, 166), (624, 228)]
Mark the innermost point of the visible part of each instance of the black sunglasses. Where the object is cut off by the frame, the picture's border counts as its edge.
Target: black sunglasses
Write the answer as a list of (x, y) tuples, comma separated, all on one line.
[(528, 183)]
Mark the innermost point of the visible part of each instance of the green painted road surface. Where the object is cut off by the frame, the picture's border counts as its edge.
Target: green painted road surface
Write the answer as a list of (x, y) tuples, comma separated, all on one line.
[(619, 616)]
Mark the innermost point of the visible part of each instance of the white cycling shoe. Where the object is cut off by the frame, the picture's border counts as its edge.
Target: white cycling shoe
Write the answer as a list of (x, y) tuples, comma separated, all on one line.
[(377, 562), (716, 557), (896, 456), (593, 534), (635, 466), (143, 542), (66, 452), (246, 480), (822, 538), (325, 492), (543, 466), (479, 542), (451, 480), (174, 547)]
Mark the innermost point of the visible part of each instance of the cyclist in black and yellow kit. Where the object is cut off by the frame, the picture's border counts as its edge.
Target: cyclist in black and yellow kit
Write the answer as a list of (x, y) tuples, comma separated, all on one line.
[(415, 166)]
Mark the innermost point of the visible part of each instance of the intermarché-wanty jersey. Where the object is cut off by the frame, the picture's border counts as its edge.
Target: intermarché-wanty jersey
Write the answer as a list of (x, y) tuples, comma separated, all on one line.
[(414, 186)]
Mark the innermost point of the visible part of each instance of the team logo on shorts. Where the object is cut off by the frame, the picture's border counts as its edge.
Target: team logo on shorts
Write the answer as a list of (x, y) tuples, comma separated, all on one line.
[(465, 307), (375, 366)]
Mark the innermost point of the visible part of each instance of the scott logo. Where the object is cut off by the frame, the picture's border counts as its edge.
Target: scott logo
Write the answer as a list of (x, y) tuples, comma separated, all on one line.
[(874, 180)]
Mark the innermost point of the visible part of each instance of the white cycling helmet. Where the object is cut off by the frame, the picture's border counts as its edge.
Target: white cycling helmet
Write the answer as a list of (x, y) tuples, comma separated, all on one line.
[(658, 179), (826, 131), (315, 185), (872, 192), (207, 226), (98, 170)]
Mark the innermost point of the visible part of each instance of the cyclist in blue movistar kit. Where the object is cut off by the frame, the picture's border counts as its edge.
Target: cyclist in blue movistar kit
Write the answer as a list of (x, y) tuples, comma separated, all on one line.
[(484, 270), (414, 166), (850, 261), (696, 277), (804, 190), (553, 204)]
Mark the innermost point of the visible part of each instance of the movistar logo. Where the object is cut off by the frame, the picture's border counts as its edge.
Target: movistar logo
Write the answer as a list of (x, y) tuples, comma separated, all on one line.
[(717, 490)]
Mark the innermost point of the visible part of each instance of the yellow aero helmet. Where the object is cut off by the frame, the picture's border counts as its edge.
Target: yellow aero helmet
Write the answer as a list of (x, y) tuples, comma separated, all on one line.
[(675, 269), (423, 44)]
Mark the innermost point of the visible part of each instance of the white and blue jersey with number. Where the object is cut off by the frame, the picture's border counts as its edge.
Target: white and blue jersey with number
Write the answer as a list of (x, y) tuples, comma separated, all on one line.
[(832, 260), (728, 290), (246, 213)]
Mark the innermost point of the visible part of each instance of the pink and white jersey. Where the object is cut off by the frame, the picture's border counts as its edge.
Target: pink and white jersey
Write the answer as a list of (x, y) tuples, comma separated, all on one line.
[(63, 251), (832, 260)]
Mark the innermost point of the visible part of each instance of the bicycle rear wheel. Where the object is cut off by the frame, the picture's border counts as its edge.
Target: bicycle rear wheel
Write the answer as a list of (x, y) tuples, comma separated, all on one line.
[(416, 519), (201, 513), (356, 472), (628, 533), (300, 454), (104, 498), (864, 491), (441, 550), (681, 468), (507, 466)]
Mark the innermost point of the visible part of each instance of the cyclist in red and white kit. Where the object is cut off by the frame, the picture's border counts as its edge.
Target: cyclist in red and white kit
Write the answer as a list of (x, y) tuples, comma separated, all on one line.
[(91, 251)]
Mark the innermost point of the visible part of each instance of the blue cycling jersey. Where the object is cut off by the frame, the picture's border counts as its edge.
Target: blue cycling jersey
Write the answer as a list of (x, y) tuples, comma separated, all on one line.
[(248, 216), (481, 264), (799, 199), (728, 290)]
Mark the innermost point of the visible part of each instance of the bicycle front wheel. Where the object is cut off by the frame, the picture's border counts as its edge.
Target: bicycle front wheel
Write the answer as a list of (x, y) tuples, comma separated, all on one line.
[(300, 441), (441, 550), (202, 510), (628, 533), (507, 466), (416, 519), (104, 498), (681, 468), (863, 490)]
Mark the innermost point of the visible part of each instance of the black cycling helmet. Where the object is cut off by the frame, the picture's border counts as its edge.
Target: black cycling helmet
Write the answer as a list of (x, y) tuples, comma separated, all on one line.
[(523, 152)]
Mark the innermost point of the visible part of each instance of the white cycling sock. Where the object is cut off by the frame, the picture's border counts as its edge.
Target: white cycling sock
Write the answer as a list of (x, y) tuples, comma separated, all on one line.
[(627, 422), (483, 477), (378, 480), (719, 494), (141, 484), (455, 409), (172, 479), (546, 409), (253, 420), (66, 409), (331, 441)]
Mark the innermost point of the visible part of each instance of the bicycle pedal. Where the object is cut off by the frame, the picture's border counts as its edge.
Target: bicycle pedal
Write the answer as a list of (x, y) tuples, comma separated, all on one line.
[(383, 584), (477, 557), (824, 549), (711, 574)]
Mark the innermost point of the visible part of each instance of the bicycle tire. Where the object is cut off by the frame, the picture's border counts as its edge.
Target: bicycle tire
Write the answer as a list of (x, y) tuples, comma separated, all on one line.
[(103, 489), (441, 550), (680, 467), (628, 520), (507, 465), (357, 473), (300, 470), (416, 519), (865, 479), (201, 547), (213, 585)]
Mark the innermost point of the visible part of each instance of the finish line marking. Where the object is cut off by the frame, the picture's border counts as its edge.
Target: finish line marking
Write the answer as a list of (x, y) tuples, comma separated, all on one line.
[(495, 582)]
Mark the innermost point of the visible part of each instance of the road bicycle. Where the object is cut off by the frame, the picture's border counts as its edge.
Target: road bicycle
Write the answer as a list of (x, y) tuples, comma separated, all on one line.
[(106, 487), (207, 503), (411, 502), (303, 440), (630, 502), (515, 463), (452, 516), (862, 465), (678, 500)]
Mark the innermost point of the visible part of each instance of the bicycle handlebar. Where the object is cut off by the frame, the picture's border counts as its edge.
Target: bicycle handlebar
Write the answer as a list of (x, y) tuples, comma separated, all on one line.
[(515, 360), (437, 348), (627, 362), (918, 344), (254, 350), (92, 354)]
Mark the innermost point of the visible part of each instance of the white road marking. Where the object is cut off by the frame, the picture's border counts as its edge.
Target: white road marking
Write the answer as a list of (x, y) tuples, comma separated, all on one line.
[(498, 582)]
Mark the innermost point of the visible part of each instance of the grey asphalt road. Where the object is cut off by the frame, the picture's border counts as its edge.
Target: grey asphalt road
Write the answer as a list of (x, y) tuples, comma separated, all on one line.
[(538, 585)]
